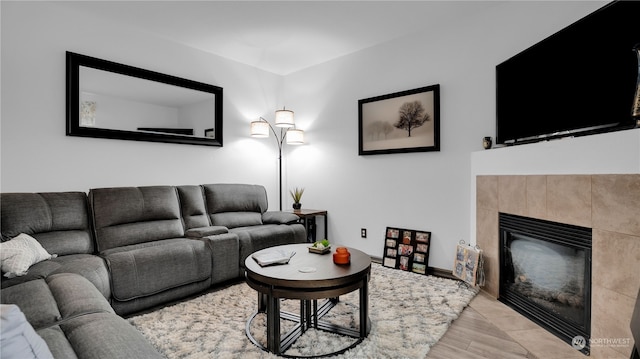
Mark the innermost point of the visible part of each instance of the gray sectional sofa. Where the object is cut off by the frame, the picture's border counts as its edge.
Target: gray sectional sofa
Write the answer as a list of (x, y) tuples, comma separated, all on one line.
[(118, 251)]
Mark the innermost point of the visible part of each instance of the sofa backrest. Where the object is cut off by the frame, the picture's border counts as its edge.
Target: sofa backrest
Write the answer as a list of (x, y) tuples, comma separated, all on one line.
[(235, 205), (192, 206), (58, 220), (131, 215)]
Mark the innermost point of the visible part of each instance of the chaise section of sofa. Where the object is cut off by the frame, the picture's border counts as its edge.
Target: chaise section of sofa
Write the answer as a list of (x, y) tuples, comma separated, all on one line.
[(140, 234), (242, 208), (72, 317), (59, 221)]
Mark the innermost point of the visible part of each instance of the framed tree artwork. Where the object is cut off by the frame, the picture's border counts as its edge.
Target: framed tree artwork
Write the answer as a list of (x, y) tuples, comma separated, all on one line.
[(407, 121), (407, 249)]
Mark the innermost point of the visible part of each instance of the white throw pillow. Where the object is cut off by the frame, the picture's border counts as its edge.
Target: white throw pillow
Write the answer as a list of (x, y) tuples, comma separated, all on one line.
[(20, 253)]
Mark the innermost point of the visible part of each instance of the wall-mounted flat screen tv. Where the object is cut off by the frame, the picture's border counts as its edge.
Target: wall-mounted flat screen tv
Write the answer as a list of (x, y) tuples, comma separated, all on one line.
[(579, 81)]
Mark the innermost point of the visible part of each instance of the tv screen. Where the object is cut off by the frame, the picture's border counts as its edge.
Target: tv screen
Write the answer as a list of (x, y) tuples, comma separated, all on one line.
[(578, 81)]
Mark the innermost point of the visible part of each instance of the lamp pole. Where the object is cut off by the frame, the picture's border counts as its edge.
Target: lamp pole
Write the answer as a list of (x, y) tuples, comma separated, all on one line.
[(283, 135)]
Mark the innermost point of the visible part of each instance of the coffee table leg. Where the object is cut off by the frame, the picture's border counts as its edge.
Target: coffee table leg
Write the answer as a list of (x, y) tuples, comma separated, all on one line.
[(315, 313), (364, 308), (262, 302), (273, 324)]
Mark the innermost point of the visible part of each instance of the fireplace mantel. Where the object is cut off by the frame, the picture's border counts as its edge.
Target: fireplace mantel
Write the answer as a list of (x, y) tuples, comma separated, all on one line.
[(607, 203)]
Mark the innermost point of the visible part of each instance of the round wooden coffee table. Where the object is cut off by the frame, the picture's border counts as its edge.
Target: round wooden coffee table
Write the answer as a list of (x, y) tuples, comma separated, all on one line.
[(308, 277)]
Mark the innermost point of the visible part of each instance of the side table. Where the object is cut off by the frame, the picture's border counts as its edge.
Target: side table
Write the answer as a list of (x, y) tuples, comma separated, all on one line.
[(308, 218)]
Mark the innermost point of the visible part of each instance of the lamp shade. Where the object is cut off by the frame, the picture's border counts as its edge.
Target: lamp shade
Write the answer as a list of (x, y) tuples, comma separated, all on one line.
[(295, 137), (284, 118), (260, 129)]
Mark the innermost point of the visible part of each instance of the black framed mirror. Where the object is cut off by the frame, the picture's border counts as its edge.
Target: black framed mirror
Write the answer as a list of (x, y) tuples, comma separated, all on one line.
[(111, 100)]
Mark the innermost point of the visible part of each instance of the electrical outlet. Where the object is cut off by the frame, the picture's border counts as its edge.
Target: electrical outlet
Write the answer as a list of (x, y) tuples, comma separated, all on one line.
[(363, 232)]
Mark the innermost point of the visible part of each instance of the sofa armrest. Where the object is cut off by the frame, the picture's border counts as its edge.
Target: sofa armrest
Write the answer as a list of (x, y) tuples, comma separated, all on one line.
[(202, 232), (277, 217), (225, 257)]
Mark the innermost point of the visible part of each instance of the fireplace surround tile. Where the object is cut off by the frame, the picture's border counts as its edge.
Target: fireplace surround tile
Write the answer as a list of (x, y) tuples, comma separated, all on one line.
[(512, 195), (487, 192), (569, 199), (487, 227), (537, 196), (624, 251), (616, 200), (611, 311)]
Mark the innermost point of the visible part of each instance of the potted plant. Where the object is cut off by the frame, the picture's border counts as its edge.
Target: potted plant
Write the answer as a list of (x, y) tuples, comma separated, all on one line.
[(296, 195)]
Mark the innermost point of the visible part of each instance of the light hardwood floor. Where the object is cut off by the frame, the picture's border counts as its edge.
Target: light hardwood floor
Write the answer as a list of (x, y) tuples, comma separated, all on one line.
[(489, 329)]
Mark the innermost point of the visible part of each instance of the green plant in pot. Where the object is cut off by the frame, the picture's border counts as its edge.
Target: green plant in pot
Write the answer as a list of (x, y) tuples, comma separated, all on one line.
[(296, 195)]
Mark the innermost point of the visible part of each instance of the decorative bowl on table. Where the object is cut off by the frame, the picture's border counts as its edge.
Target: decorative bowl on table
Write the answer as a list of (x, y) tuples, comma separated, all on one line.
[(320, 247), (322, 250)]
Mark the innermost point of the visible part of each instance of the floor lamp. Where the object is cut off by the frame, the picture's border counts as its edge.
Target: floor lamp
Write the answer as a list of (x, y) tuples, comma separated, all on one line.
[(288, 131)]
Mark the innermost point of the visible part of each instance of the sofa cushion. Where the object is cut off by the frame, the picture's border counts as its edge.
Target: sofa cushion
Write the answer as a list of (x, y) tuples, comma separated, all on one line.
[(235, 205), (277, 217), (18, 339), (57, 342), (106, 335), (89, 266), (192, 206), (36, 302), (149, 268), (75, 295), (58, 220), (20, 253), (130, 215), (236, 219), (59, 297)]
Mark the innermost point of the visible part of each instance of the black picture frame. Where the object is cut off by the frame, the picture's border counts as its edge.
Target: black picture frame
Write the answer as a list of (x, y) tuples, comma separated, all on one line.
[(407, 249), (401, 122)]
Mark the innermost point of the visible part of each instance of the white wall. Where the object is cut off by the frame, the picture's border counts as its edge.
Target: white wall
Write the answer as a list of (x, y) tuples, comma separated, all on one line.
[(36, 154), (429, 191)]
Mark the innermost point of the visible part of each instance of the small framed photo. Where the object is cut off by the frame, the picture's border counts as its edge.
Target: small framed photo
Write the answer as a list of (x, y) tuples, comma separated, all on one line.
[(419, 268), (391, 243), (421, 247), (389, 262), (392, 252), (418, 257), (393, 232), (422, 237), (404, 263), (406, 237), (407, 121)]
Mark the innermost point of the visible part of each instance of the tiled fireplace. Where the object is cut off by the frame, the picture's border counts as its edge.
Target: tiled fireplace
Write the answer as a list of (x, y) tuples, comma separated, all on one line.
[(609, 205)]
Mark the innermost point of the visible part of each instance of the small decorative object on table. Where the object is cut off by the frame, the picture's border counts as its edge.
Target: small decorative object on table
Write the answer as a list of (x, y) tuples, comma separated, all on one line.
[(342, 256), (296, 195), (320, 247), (487, 142)]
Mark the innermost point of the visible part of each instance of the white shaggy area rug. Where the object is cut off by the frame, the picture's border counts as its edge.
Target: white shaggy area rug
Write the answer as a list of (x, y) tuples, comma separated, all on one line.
[(409, 313)]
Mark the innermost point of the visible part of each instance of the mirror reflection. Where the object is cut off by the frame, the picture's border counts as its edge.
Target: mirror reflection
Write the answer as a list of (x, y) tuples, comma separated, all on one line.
[(115, 101), (111, 100)]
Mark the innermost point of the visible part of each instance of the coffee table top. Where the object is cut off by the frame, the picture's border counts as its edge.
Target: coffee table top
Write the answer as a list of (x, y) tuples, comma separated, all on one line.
[(295, 275)]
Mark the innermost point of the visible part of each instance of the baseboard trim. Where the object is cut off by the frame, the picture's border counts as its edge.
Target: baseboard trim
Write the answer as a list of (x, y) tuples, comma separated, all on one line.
[(437, 272)]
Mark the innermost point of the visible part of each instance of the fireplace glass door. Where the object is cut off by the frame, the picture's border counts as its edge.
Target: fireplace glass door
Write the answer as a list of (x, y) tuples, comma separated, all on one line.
[(546, 274)]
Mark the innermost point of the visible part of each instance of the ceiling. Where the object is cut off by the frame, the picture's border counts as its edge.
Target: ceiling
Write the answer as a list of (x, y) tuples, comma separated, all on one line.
[(279, 36)]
